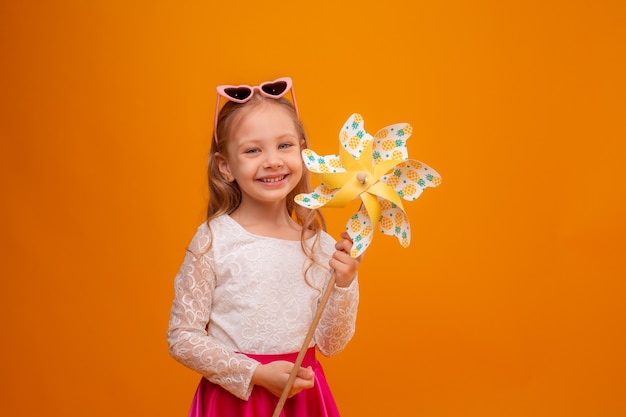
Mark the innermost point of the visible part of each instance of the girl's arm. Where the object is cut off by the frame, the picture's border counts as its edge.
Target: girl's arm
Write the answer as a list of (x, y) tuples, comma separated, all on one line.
[(187, 334), (338, 321)]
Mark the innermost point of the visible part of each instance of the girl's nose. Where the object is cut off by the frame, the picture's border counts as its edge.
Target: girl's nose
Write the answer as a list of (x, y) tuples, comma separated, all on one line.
[(273, 160)]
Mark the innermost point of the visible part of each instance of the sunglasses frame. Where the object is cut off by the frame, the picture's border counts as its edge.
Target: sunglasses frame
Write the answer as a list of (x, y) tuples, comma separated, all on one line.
[(221, 92)]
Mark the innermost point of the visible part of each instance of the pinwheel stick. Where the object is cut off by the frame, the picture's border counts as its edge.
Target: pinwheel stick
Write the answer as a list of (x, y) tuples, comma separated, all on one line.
[(305, 345)]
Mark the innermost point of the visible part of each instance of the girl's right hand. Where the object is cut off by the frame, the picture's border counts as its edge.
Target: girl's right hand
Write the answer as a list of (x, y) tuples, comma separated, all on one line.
[(344, 265), (274, 376)]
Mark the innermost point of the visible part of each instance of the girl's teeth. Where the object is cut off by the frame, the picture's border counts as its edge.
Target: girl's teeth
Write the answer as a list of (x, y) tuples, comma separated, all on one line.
[(272, 179)]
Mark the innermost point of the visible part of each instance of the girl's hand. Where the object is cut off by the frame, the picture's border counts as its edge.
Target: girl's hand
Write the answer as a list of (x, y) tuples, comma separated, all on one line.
[(344, 265), (274, 375)]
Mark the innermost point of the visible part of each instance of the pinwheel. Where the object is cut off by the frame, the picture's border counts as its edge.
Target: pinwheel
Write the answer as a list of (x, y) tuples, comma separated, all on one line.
[(377, 170)]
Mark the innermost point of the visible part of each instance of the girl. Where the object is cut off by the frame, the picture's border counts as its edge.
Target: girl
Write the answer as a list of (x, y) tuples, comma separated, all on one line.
[(247, 290)]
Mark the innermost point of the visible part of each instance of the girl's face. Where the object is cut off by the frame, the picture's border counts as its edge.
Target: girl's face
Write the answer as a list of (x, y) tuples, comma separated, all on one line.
[(263, 155)]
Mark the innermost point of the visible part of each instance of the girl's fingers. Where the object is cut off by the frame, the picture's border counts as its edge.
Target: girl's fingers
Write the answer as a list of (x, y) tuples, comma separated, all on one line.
[(344, 245)]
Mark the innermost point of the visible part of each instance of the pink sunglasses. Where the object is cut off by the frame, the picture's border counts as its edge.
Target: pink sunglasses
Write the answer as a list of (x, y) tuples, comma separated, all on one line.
[(242, 93)]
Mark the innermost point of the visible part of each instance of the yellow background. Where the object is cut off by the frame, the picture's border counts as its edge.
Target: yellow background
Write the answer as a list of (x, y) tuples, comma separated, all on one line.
[(510, 299)]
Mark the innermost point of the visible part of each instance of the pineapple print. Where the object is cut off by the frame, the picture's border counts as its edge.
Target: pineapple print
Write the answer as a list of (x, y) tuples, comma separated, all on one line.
[(389, 145), (415, 164), (385, 204), (393, 181), (382, 134), (354, 142), (386, 223), (323, 199), (409, 190), (355, 225), (325, 190), (413, 175), (335, 163), (397, 155)]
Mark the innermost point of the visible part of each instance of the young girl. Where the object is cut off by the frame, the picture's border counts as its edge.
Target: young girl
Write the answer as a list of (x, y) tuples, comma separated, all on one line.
[(248, 288)]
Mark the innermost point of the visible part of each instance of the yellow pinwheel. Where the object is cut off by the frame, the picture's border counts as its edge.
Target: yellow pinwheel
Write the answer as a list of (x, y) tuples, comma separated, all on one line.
[(376, 169)]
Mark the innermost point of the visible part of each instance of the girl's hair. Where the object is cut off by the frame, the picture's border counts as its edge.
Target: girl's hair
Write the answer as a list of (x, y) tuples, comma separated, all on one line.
[(225, 196)]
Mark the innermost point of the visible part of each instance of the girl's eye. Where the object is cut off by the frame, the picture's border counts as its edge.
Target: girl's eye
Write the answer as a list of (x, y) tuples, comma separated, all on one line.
[(253, 150), (285, 146)]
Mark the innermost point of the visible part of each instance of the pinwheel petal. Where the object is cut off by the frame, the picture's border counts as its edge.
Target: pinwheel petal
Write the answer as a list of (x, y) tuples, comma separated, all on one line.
[(321, 164), (360, 230), (390, 143), (353, 137), (318, 198), (410, 178), (394, 222)]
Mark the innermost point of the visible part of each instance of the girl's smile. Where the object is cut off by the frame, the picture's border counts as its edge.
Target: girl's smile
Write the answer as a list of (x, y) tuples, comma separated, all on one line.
[(273, 179)]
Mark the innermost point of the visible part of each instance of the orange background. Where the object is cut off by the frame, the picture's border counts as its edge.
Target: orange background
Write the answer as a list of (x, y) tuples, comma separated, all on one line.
[(510, 299)]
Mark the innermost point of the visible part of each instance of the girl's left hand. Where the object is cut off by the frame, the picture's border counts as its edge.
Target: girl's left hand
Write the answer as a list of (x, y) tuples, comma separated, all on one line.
[(344, 265)]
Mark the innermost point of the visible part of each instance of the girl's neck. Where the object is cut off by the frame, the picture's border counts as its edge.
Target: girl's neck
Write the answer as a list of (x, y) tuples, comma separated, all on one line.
[(270, 221)]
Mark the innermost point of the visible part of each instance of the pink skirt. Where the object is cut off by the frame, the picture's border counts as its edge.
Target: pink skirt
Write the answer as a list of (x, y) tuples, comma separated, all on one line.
[(211, 400)]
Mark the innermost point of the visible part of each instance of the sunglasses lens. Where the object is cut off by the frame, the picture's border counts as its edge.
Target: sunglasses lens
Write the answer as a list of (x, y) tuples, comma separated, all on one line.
[(239, 93), (275, 89)]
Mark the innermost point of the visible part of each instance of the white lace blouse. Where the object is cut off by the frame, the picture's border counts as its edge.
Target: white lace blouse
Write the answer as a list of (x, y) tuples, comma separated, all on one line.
[(247, 293)]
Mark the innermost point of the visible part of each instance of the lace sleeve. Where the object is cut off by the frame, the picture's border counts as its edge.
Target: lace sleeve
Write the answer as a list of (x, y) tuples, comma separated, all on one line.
[(187, 335), (338, 321)]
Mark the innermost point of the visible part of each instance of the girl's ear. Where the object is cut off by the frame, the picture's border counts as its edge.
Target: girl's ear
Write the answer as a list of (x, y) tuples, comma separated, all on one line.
[(222, 165)]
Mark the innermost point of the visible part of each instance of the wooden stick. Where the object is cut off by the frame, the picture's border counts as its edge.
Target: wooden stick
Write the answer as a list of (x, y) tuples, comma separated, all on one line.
[(305, 345)]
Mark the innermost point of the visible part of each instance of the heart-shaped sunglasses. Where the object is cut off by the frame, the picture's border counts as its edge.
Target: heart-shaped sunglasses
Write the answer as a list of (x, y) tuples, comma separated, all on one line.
[(242, 93)]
